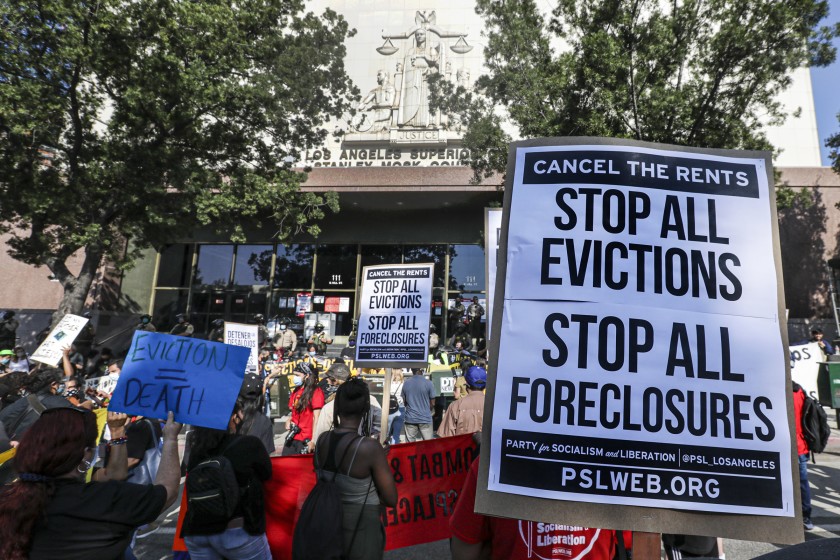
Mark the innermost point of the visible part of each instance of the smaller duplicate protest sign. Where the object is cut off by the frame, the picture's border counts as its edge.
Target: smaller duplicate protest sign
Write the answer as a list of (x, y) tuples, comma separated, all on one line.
[(492, 233), (198, 380), (395, 313), (247, 336), (50, 351), (805, 366)]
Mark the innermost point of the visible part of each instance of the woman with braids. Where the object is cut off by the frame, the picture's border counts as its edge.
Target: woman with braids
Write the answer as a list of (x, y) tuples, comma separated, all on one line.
[(363, 475), (305, 404), (242, 535), (51, 513)]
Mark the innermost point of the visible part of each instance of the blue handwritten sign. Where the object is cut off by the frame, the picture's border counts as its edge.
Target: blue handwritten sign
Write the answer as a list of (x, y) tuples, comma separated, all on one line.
[(198, 380)]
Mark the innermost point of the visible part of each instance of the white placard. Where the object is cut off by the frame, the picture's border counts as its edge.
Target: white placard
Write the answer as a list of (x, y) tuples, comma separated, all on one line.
[(805, 366), (637, 281), (394, 316), (105, 384), (240, 334), (492, 233), (51, 350)]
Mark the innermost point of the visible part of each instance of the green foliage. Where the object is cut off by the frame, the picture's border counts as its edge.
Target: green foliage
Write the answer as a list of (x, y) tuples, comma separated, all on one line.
[(145, 119), (703, 73)]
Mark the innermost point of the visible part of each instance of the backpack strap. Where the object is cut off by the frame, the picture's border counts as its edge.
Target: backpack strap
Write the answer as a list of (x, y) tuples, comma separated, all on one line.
[(353, 460), (36, 404)]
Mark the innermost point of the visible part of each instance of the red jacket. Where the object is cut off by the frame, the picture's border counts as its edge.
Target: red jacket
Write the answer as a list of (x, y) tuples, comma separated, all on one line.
[(798, 403)]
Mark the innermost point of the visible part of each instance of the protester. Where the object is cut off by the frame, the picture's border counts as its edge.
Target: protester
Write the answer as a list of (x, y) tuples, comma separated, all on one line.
[(337, 375), (476, 536), (8, 330), (243, 534), (5, 360), (41, 390), (363, 476), (305, 404), (466, 415), (50, 512), (803, 452), (434, 339), (254, 421), (419, 398), (73, 389), (20, 361), (817, 336), (396, 420)]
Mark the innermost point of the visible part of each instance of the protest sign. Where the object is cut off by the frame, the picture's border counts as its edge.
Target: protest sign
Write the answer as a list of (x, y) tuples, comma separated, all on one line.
[(395, 313), (65, 332), (429, 477), (633, 281), (248, 336), (105, 384), (805, 366), (492, 232), (198, 380)]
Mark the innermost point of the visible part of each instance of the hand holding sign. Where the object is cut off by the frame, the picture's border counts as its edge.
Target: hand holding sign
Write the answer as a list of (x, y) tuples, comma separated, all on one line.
[(198, 380)]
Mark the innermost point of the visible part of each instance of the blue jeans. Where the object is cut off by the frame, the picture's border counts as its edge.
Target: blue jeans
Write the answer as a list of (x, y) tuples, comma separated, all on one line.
[(396, 422), (804, 488), (233, 543)]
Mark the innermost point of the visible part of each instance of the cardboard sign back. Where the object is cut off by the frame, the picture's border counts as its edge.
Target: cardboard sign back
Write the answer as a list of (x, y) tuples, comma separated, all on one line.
[(765, 528)]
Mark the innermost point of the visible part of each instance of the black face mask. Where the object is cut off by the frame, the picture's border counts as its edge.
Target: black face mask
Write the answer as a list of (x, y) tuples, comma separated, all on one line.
[(330, 390)]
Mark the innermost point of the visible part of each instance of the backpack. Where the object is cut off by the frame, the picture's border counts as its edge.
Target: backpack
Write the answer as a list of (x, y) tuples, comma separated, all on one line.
[(815, 428), (212, 490), (146, 470), (319, 531)]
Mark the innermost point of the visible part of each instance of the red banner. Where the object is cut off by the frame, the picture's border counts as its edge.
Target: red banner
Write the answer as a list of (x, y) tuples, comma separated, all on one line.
[(429, 476)]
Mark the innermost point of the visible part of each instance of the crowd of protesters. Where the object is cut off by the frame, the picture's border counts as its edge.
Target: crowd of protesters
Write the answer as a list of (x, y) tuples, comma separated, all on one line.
[(75, 489)]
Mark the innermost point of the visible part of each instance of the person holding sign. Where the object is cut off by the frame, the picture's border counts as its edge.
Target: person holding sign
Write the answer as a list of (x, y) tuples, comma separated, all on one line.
[(817, 337), (465, 416), (305, 404), (50, 512)]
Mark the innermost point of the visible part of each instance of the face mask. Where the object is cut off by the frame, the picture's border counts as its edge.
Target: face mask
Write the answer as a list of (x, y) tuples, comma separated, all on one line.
[(113, 376), (312, 354), (297, 380), (330, 390), (352, 343), (5, 361), (282, 327)]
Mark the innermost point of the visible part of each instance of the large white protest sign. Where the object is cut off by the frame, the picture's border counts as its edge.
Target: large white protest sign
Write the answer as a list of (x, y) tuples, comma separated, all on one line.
[(492, 232), (240, 334), (395, 312), (50, 351), (635, 280), (805, 366)]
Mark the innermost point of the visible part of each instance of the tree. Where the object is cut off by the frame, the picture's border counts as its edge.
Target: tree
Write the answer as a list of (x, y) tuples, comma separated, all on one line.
[(702, 73), (141, 120)]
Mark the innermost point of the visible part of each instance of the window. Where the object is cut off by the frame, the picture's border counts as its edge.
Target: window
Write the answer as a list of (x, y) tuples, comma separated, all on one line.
[(253, 265), (336, 267), (214, 262), (294, 267), (428, 254), (381, 254), (174, 269), (466, 268)]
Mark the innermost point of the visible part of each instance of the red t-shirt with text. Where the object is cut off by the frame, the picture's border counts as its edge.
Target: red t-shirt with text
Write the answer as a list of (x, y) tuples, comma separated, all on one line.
[(513, 539), (305, 419)]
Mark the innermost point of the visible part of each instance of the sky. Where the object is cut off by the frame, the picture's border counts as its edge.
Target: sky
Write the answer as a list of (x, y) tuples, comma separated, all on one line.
[(826, 86)]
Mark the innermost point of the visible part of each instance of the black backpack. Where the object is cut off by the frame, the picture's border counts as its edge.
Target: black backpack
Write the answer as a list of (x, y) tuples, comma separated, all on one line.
[(212, 490), (815, 428), (319, 532)]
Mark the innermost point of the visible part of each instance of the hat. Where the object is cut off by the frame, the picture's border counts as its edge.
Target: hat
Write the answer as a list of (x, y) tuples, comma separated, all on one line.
[(303, 367), (339, 372), (6, 353), (251, 386), (476, 377)]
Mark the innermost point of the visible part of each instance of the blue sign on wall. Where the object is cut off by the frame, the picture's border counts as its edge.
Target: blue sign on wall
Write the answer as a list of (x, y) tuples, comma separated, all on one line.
[(198, 380)]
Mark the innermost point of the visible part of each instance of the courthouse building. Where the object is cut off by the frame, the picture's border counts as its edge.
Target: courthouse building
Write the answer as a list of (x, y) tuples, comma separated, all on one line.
[(404, 198)]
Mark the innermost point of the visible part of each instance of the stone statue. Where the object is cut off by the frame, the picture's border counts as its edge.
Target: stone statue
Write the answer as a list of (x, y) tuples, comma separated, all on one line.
[(421, 62), (375, 108)]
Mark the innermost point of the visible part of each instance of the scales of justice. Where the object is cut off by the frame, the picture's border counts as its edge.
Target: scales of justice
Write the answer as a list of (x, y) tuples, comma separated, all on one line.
[(397, 109)]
